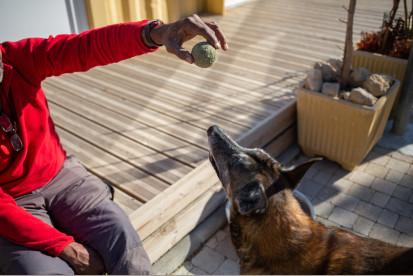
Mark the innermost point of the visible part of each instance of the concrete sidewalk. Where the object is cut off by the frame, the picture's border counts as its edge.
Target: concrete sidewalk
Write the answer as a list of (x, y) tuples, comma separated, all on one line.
[(374, 200)]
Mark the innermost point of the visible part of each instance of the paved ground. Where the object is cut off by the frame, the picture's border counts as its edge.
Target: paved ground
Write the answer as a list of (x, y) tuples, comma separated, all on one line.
[(374, 200)]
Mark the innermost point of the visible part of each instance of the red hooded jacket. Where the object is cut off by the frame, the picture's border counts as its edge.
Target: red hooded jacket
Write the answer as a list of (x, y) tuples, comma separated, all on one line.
[(26, 64)]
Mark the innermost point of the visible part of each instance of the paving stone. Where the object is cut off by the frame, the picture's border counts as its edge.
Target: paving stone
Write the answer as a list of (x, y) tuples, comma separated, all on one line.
[(325, 194), (208, 260), (384, 233), (363, 226), (399, 207), (398, 165), (343, 217), (227, 249), (185, 269), (405, 225), (383, 186), (327, 222), (323, 176), (360, 192), (327, 165), (221, 235), (324, 209), (311, 172), (380, 199), (309, 187), (402, 157), (212, 242), (341, 173), (407, 181), (368, 210), (381, 160), (388, 218), (198, 271), (402, 193), (410, 170), (376, 170), (362, 178), (342, 185), (394, 176), (371, 156), (405, 240), (344, 201), (229, 267)]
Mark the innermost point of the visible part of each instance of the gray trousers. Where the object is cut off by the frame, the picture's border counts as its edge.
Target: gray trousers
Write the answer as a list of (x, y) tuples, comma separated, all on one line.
[(79, 204)]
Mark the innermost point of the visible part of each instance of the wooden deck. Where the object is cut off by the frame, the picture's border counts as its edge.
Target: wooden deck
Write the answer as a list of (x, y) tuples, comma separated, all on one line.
[(140, 124)]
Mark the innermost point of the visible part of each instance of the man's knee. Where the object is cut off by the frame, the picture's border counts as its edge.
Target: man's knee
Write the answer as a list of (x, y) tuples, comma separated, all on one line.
[(135, 261), (125, 253)]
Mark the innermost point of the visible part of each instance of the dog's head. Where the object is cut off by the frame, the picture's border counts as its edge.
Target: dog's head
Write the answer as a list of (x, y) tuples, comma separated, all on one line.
[(250, 176)]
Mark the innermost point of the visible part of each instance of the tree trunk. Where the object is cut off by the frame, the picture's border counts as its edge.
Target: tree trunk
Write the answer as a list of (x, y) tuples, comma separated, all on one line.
[(348, 48), (401, 119)]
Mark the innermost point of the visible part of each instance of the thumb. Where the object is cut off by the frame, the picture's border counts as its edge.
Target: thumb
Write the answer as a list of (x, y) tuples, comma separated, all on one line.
[(180, 52)]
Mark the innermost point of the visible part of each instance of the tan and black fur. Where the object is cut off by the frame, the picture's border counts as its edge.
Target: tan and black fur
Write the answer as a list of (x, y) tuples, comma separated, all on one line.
[(272, 234)]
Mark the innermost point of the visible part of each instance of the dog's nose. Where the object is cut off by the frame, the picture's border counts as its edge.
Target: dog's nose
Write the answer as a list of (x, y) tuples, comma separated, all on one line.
[(212, 129)]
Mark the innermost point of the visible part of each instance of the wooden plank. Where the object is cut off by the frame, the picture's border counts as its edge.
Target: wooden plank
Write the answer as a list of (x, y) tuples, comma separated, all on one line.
[(127, 91), (189, 95), (152, 215), (125, 201), (124, 126), (203, 88), (174, 127), (149, 161), (122, 175), (279, 144), (175, 229)]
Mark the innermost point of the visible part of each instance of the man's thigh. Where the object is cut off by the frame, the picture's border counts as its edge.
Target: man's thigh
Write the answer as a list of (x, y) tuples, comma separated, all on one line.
[(15, 259), (84, 210)]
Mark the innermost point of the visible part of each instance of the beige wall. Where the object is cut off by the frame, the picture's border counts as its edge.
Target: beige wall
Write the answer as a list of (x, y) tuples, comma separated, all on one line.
[(104, 12)]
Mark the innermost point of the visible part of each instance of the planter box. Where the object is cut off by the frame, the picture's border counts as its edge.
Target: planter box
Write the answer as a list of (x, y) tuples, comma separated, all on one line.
[(377, 63), (340, 130)]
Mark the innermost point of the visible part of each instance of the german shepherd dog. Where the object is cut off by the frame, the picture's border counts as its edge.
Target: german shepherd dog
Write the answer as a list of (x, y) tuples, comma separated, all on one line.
[(270, 231)]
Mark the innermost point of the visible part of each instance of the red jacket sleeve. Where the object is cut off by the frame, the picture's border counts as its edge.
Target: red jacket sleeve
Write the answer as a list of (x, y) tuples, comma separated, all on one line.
[(20, 227), (38, 58)]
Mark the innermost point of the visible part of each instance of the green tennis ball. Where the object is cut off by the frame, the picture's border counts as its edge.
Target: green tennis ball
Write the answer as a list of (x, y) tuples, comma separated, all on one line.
[(204, 54)]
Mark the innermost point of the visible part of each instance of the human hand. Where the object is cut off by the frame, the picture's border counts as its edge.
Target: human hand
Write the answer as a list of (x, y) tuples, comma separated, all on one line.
[(82, 259), (173, 35)]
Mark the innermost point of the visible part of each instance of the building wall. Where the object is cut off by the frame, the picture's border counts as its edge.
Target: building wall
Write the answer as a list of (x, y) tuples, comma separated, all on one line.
[(40, 18)]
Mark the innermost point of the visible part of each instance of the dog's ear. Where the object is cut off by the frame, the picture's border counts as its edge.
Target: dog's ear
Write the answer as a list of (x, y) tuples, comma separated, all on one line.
[(295, 173)]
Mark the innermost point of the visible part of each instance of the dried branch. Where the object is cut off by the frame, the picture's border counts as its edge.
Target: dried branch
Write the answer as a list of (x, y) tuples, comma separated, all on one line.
[(345, 8), (348, 48), (342, 20), (386, 32)]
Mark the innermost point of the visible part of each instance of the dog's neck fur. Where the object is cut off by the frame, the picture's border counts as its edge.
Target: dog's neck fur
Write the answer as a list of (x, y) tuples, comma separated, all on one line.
[(283, 216)]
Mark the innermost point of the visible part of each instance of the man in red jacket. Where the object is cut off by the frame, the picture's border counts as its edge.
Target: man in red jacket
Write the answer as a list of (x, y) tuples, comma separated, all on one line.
[(55, 217)]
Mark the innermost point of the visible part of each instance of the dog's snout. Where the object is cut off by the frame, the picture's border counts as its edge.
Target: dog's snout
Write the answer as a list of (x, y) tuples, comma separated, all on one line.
[(212, 130)]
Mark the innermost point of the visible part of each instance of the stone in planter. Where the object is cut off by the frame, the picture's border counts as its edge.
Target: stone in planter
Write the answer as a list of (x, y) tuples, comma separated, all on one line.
[(331, 69), (314, 80), (331, 89), (381, 64), (344, 95), (361, 96), (358, 76), (377, 84)]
